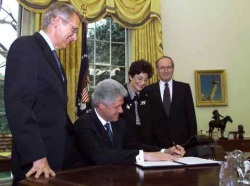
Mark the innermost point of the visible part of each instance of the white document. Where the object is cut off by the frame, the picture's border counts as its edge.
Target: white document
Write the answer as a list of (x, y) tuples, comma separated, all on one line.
[(184, 161), (158, 164), (195, 161)]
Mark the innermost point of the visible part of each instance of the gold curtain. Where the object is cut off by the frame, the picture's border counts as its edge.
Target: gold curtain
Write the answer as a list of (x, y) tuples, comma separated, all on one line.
[(147, 44), (71, 60), (141, 16)]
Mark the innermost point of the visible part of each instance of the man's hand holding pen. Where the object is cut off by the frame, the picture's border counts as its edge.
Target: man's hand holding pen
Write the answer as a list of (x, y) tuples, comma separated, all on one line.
[(170, 154), (176, 150)]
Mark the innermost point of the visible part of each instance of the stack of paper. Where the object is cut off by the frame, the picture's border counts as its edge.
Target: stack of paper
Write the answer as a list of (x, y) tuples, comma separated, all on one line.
[(184, 161)]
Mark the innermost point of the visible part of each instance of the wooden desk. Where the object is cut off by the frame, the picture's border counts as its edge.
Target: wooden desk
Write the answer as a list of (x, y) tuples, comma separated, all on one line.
[(5, 164), (230, 145), (124, 175)]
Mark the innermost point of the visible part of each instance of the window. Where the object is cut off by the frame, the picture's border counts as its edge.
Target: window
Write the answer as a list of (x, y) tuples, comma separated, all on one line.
[(107, 51), (8, 27)]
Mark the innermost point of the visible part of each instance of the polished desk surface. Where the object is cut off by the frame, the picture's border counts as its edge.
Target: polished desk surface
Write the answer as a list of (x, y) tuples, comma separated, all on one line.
[(129, 175), (5, 163)]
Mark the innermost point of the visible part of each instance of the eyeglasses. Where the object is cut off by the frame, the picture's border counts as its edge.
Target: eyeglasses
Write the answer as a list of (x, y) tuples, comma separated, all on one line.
[(74, 29)]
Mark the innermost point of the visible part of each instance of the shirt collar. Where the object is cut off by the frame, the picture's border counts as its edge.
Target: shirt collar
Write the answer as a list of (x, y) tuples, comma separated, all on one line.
[(162, 83), (47, 39), (131, 92), (100, 118)]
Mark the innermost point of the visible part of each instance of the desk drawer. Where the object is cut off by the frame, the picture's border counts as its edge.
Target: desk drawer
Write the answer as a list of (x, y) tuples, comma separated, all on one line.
[(230, 145)]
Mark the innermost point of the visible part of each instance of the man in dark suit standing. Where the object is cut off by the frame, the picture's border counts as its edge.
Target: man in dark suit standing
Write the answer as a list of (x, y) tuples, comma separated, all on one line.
[(103, 137), (36, 95), (175, 123)]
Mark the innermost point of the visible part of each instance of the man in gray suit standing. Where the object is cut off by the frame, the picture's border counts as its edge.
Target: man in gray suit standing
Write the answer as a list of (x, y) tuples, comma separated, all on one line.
[(36, 95)]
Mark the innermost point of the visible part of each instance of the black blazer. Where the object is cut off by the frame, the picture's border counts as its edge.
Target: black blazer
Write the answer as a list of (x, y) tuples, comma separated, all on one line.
[(36, 105), (181, 123), (95, 146), (141, 133)]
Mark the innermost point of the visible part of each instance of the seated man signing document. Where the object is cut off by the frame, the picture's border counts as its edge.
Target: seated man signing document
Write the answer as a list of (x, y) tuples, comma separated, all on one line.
[(103, 138)]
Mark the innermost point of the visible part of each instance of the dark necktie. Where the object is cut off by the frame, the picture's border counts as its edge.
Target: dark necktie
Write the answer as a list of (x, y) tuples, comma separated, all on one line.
[(136, 100), (166, 99), (58, 63), (108, 130), (136, 97)]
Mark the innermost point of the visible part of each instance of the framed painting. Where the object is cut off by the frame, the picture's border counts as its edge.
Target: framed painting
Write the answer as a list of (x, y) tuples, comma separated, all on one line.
[(211, 88)]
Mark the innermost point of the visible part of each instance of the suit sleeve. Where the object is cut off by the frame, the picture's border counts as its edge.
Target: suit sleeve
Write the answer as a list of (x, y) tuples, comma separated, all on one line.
[(92, 146), (191, 117), (20, 96)]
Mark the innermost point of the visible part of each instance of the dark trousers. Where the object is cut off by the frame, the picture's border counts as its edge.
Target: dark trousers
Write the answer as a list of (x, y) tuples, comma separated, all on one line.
[(16, 180)]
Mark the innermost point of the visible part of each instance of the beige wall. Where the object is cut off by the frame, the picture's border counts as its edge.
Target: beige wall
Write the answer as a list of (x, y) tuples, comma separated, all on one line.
[(211, 34)]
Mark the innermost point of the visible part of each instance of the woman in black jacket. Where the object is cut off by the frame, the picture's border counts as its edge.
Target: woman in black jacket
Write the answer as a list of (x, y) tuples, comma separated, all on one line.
[(135, 110)]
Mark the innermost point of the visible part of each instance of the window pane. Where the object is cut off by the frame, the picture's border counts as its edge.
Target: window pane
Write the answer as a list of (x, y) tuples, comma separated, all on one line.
[(106, 51), (91, 31), (91, 49), (118, 33), (4, 128), (101, 73), (118, 74), (103, 30), (118, 54), (92, 75), (102, 52)]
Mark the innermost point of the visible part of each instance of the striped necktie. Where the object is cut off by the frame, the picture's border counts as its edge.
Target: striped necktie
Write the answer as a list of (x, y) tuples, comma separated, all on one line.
[(108, 130)]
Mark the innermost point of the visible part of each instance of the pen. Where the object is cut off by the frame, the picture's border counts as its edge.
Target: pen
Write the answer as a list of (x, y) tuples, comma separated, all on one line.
[(178, 155), (175, 145)]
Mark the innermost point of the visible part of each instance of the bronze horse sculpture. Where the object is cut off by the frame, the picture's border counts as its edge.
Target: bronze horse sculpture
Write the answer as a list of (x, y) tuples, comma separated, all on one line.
[(221, 125)]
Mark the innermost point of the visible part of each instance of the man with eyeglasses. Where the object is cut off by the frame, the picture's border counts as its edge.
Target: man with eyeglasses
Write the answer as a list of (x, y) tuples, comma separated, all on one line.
[(36, 96), (172, 107)]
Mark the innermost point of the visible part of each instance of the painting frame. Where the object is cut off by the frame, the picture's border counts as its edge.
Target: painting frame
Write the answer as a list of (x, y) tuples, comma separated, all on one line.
[(211, 87)]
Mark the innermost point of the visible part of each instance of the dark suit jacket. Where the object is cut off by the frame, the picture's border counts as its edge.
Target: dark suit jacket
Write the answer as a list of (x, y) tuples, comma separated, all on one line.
[(142, 133), (181, 123), (36, 105), (94, 143)]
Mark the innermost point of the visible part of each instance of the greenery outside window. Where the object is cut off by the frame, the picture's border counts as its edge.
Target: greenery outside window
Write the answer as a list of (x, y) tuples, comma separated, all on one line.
[(8, 26), (107, 51)]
